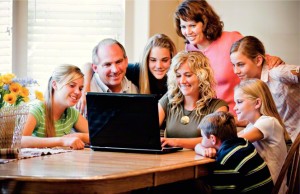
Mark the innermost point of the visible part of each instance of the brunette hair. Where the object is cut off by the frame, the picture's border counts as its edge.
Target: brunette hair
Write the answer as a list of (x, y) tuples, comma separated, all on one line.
[(199, 11), (221, 124), (249, 46)]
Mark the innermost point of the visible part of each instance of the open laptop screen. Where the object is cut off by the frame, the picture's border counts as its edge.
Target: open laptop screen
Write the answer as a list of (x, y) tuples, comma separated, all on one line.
[(123, 120)]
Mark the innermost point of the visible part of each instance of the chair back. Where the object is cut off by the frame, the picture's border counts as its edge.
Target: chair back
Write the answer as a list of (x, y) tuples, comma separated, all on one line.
[(291, 168)]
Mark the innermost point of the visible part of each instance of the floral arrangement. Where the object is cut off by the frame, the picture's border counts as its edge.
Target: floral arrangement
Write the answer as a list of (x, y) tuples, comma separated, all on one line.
[(14, 91)]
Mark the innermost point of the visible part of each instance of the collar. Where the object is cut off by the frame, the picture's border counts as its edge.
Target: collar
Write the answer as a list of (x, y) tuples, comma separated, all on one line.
[(264, 73), (104, 88)]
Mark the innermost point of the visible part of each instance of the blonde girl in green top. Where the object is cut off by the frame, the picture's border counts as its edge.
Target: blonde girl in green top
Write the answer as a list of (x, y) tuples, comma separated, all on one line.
[(49, 123)]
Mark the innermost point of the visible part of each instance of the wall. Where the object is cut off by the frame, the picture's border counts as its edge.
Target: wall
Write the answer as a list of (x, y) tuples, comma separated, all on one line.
[(136, 27), (161, 18), (19, 40), (145, 18), (274, 22)]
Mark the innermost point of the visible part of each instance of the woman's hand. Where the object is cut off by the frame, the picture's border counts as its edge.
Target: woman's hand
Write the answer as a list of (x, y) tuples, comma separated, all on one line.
[(273, 61), (172, 142), (73, 142), (83, 136)]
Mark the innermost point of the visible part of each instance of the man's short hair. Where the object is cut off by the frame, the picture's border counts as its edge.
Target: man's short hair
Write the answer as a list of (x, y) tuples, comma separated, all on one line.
[(105, 42)]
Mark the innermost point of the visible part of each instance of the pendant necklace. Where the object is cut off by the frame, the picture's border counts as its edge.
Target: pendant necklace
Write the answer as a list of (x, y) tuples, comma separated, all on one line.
[(185, 119)]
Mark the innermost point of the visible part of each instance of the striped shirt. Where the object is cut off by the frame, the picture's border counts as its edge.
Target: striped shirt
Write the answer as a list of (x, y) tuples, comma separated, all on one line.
[(63, 126), (240, 169)]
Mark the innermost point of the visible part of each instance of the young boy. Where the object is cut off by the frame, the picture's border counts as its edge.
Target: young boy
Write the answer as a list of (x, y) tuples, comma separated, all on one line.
[(238, 168)]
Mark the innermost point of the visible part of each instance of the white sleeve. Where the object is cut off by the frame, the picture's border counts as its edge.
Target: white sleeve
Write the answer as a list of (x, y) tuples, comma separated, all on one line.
[(283, 73), (267, 125)]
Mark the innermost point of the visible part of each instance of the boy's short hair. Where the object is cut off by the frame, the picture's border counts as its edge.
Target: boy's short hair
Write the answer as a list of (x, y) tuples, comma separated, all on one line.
[(221, 124)]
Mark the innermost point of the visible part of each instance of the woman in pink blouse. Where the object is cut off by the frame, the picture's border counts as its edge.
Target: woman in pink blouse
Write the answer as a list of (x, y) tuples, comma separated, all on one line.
[(202, 29)]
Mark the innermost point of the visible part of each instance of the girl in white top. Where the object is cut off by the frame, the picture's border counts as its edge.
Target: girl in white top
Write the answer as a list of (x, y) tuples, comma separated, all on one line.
[(265, 130)]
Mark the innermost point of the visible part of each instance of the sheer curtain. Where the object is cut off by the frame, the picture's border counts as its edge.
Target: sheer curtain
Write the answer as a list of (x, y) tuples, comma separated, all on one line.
[(65, 32), (5, 36)]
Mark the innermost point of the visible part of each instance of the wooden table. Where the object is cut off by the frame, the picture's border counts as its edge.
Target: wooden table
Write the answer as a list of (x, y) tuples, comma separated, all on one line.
[(87, 171)]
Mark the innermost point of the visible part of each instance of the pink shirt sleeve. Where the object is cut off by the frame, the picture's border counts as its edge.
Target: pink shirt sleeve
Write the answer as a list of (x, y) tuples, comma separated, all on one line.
[(218, 53)]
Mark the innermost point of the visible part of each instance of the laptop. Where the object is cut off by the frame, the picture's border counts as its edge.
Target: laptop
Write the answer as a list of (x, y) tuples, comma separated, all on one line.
[(124, 122)]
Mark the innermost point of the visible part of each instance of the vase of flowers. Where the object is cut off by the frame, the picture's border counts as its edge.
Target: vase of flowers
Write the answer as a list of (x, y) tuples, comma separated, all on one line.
[(14, 94)]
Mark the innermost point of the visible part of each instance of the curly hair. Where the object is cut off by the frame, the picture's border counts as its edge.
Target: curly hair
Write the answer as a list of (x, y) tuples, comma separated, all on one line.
[(199, 65), (199, 11)]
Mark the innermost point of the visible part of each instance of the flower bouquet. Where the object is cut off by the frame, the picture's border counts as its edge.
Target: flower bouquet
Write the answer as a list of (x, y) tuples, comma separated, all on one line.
[(14, 94)]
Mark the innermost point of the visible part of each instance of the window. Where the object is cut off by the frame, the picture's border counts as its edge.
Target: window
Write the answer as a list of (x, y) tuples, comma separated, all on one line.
[(55, 32), (5, 36), (65, 32)]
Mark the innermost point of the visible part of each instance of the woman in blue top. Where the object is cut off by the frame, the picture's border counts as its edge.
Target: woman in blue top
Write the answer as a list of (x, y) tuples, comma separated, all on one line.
[(49, 123)]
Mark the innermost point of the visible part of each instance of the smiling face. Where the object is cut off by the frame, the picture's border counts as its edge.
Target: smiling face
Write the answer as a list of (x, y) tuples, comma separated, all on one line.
[(245, 67), (246, 108), (187, 80), (193, 32), (112, 66), (159, 62), (69, 94)]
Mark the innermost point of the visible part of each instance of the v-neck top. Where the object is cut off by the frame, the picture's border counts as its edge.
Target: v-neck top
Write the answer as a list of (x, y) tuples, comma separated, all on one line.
[(174, 128)]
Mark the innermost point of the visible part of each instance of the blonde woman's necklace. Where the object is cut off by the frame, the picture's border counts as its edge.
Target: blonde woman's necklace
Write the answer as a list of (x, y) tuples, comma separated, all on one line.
[(185, 119)]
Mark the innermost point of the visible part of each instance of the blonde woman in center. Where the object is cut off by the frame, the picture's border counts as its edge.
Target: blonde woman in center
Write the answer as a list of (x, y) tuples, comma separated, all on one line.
[(190, 97)]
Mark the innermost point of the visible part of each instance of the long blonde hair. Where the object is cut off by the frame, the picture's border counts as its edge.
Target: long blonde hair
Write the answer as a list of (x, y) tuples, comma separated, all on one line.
[(255, 88), (157, 40), (199, 65), (62, 74)]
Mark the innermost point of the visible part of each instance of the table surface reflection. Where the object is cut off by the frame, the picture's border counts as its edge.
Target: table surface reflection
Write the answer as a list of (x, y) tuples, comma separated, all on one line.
[(101, 172)]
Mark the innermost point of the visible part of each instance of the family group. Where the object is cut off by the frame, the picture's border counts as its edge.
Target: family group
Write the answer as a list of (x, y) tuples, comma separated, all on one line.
[(221, 81)]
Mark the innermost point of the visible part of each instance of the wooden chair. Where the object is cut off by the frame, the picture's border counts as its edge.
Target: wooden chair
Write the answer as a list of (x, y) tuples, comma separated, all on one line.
[(291, 168)]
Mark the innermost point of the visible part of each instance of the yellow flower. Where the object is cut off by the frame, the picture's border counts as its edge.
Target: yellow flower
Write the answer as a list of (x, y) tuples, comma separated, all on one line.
[(26, 99), (14, 91), (7, 78), (1, 82), (10, 98), (24, 92), (39, 95), (15, 87)]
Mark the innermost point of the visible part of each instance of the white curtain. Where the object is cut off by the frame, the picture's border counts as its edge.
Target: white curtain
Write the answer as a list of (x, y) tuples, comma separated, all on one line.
[(5, 36), (65, 32)]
